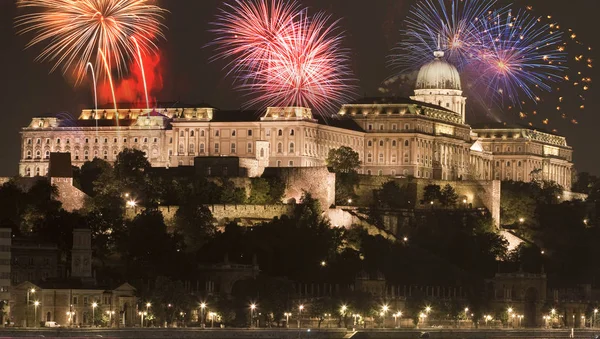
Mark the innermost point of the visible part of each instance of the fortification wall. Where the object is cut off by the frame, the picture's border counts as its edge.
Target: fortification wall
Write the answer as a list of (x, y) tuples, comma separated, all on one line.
[(225, 213), (477, 193), (316, 180)]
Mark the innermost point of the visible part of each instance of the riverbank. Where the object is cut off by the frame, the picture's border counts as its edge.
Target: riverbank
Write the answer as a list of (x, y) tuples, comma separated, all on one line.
[(184, 333)]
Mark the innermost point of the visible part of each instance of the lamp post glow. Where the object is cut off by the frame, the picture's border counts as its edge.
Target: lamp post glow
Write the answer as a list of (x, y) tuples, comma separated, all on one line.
[(202, 307), (384, 310), (252, 308), (396, 316), (31, 290), (142, 314), (287, 319), (466, 313), (300, 308), (70, 314), (594, 318), (110, 314), (94, 305), (35, 306)]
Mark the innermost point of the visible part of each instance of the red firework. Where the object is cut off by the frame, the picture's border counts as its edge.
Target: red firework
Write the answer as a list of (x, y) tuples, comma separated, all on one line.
[(283, 57)]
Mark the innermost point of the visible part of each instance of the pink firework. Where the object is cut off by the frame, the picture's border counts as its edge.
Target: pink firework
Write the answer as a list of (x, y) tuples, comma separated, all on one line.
[(246, 31), (288, 60)]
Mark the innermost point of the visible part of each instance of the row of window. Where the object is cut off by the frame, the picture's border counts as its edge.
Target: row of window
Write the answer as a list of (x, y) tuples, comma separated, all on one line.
[(382, 127), (38, 141), (381, 143)]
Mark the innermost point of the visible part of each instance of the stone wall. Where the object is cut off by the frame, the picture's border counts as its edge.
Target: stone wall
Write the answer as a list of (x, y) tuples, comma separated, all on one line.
[(316, 180), (247, 214), (478, 194)]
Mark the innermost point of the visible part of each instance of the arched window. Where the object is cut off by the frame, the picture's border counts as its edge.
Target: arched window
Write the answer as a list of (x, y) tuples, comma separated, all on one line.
[(37, 171), (508, 164), (233, 133), (393, 143), (27, 171), (291, 148), (368, 172), (278, 163), (28, 154), (201, 133), (369, 157), (191, 148), (406, 143), (292, 131), (95, 154), (58, 141), (181, 148), (249, 148), (279, 148), (369, 143), (191, 133), (280, 132), (38, 154), (201, 147), (181, 134), (105, 155), (47, 155), (380, 143), (145, 140), (233, 148), (28, 141), (262, 152), (380, 172), (76, 155)]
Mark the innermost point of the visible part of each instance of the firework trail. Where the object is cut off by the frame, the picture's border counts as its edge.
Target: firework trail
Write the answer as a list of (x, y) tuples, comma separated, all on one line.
[(71, 32), (284, 57)]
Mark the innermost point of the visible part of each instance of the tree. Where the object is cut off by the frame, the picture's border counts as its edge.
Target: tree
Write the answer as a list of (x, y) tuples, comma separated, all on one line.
[(343, 160), (90, 172), (230, 194), (448, 196), (259, 191), (431, 193), (391, 195), (194, 223), (130, 168)]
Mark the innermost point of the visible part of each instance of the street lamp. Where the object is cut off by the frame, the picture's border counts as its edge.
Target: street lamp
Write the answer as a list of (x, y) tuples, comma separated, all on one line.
[(466, 313), (35, 306), (70, 314), (32, 290), (252, 308), (202, 307), (131, 203), (287, 319), (521, 220), (396, 316), (94, 305), (384, 310), (355, 316), (110, 314), (349, 201), (142, 314), (211, 315), (300, 308), (594, 318)]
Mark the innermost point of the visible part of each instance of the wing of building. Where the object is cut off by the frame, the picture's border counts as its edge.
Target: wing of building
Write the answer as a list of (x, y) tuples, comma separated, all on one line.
[(425, 136)]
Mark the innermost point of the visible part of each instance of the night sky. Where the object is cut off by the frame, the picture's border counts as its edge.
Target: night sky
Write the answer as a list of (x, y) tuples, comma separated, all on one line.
[(372, 29)]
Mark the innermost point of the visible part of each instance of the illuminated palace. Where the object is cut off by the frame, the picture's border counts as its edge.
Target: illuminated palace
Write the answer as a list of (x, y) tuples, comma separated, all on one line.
[(425, 136)]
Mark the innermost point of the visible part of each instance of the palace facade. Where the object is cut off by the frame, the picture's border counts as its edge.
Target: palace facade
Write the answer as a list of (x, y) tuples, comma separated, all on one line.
[(425, 136)]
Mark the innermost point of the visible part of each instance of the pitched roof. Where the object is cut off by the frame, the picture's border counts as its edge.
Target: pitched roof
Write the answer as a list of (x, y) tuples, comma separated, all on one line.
[(395, 101)]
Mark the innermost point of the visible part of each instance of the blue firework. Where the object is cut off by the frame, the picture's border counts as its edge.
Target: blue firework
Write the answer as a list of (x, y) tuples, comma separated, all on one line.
[(519, 55), (450, 26)]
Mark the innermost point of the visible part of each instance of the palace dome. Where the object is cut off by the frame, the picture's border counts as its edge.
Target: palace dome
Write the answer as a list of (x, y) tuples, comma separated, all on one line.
[(438, 74)]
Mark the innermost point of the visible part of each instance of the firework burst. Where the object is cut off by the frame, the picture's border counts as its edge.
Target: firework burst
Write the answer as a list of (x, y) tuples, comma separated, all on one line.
[(284, 57), (72, 32), (521, 56), (434, 25)]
